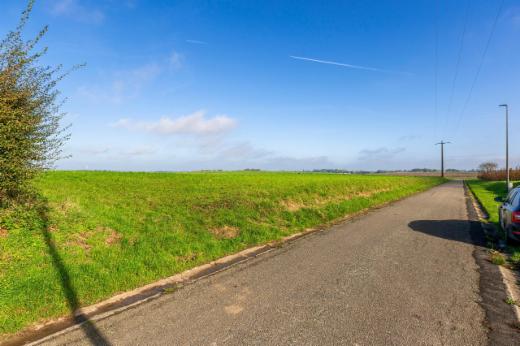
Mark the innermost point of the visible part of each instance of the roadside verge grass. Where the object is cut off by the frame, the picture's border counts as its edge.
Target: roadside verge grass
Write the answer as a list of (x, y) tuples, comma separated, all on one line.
[(486, 193), (94, 234)]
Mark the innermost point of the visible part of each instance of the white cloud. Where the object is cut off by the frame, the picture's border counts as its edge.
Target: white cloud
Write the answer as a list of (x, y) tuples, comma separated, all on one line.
[(245, 155), (131, 4), (175, 60), (125, 85), (114, 152), (298, 163), (196, 124), (513, 14), (257, 158), (243, 151), (74, 9), (144, 73), (196, 42), (94, 151), (216, 153), (382, 153), (407, 138), (140, 151)]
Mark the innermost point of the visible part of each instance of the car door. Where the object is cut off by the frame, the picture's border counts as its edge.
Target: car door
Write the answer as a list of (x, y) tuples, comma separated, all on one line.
[(514, 205), (502, 210), (508, 208)]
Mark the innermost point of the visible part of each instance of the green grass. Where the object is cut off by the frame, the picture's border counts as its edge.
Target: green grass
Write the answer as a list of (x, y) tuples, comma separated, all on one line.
[(100, 233), (497, 258), (510, 301), (515, 259), (486, 192)]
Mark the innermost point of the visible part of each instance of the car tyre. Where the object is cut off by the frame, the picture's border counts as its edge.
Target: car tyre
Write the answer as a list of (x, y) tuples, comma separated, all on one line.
[(510, 239)]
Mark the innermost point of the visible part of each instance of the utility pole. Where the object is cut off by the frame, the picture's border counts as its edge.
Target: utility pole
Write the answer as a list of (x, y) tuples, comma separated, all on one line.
[(442, 156), (507, 145)]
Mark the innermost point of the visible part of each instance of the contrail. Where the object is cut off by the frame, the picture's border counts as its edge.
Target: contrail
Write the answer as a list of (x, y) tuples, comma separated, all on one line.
[(366, 68), (196, 42)]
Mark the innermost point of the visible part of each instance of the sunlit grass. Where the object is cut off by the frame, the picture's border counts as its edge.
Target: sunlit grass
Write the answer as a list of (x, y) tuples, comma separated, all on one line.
[(487, 192), (108, 232)]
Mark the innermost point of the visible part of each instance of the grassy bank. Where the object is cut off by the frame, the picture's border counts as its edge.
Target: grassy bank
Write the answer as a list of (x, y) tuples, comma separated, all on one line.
[(486, 192), (99, 233)]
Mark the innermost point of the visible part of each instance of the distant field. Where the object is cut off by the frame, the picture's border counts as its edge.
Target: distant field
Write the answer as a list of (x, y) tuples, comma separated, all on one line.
[(100, 233)]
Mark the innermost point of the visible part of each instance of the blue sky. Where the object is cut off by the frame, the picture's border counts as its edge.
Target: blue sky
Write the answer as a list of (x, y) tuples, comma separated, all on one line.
[(186, 85)]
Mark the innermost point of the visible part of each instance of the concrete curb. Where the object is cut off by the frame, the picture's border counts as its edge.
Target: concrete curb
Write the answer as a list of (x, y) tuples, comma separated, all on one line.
[(510, 278)]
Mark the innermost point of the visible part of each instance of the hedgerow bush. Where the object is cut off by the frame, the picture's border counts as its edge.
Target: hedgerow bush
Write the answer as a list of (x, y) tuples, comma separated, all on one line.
[(31, 137), (514, 174)]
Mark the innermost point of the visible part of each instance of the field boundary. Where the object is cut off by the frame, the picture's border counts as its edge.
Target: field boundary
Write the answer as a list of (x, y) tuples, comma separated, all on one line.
[(118, 303)]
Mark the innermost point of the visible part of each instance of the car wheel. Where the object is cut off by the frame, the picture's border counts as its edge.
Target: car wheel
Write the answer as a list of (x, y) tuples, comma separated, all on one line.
[(510, 239)]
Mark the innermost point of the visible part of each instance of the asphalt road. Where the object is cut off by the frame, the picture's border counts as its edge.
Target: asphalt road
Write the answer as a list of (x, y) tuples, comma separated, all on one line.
[(401, 275)]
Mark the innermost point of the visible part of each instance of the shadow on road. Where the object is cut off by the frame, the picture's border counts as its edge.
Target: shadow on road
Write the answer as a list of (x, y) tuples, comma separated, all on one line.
[(456, 230), (93, 334)]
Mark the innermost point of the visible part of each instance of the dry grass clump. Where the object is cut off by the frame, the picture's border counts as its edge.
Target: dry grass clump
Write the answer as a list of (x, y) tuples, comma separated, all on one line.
[(226, 232)]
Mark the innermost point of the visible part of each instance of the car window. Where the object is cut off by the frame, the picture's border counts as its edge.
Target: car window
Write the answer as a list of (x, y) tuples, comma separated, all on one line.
[(511, 196), (516, 200)]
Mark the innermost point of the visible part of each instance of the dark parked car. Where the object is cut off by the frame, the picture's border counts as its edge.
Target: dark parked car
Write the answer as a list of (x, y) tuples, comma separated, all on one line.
[(509, 214)]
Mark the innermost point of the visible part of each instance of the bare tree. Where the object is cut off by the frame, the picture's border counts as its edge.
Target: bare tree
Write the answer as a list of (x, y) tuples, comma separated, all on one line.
[(488, 166)]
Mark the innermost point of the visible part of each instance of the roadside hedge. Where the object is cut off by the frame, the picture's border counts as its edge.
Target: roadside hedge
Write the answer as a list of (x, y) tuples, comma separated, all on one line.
[(514, 174)]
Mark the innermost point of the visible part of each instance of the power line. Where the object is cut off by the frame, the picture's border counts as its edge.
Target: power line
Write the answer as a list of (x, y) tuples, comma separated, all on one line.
[(468, 98), (459, 59), (436, 66)]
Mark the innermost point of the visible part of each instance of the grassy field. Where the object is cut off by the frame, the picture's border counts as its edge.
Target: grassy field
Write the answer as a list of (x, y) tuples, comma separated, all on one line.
[(486, 192), (99, 233)]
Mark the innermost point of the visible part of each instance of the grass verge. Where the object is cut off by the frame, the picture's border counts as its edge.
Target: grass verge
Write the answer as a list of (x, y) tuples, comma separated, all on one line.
[(94, 234), (486, 192)]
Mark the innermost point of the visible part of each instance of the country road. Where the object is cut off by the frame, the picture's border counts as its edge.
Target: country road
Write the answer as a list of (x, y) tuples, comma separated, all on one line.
[(404, 274)]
